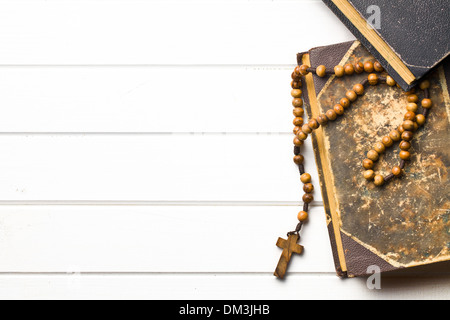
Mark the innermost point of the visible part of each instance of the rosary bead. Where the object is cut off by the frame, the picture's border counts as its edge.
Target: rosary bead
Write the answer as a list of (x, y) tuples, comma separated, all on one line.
[(397, 171), (395, 135), (307, 129), (322, 119), (410, 115), (401, 129), (379, 180), (379, 147), (390, 81), (296, 84), (298, 142), (304, 70), (321, 71), (427, 103), (368, 164), (297, 103), (373, 79), (359, 89), (299, 159), (413, 98), (369, 175), (359, 67), (308, 198), (405, 145), (297, 129), (387, 141), (296, 76), (407, 135), (302, 136), (420, 118), (425, 85), (306, 178), (313, 124), (416, 127), (308, 188), (405, 155), (349, 69), (345, 102), (408, 125), (296, 93), (299, 112), (351, 95), (302, 216), (378, 67), (298, 121), (331, 115), (339, 71), (339, 109), (368, 67), (413, 107), (373, 155)]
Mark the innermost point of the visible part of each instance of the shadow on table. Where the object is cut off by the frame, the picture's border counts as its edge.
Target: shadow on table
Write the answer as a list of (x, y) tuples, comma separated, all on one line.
[(435, 277)]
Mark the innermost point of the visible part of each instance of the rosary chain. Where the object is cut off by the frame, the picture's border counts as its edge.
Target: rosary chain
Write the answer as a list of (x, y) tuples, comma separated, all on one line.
[(413, 120)]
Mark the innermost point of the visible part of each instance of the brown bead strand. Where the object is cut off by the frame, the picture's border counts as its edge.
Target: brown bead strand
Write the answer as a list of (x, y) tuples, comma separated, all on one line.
[(302, 130), (404, 133)]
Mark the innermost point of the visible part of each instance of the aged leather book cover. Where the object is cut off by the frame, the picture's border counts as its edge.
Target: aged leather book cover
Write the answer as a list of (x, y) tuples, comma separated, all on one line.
[(406, 223), (409, 38)]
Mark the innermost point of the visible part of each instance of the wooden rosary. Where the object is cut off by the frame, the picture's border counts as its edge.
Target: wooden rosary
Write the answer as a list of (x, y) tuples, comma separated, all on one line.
[(403, 134)]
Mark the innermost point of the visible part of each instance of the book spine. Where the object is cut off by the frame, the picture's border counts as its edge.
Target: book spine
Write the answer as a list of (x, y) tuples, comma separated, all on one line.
[(309, 96), (405, 86)]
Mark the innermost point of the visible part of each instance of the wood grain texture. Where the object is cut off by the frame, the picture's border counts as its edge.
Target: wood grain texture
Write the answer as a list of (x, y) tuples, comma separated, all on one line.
[(155, 32), (156, 239), (289, 246), (145, 99), (148, 167), (224, 287)]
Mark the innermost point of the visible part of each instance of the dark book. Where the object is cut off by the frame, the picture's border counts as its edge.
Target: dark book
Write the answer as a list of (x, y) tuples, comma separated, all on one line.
[(408, 37), (405, 223)]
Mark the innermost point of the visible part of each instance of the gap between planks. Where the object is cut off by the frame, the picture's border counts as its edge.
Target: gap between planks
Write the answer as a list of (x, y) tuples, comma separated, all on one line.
[(143, 133), (394, 275), (161, 203), (287, 66)]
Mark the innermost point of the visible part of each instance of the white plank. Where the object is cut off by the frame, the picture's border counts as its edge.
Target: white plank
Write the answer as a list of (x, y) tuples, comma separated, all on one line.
[(151, 167), (163, 32), (222, 287), (156, 239), (145, 99)]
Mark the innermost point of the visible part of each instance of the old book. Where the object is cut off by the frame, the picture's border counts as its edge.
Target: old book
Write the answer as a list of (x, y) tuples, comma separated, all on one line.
[(406, 223), (409, 38)]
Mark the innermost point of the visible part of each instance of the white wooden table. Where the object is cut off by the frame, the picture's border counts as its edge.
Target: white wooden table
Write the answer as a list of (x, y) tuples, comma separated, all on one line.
[(146, 152)]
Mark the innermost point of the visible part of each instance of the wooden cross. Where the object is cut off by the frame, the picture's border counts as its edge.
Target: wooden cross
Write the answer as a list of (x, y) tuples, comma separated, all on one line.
[(289, 247)]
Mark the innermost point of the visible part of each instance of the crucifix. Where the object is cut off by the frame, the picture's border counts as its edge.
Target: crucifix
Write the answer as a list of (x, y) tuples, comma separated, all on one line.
[(289, 247)]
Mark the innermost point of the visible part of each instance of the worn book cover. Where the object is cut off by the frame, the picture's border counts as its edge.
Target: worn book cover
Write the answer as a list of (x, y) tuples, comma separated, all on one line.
[(409, 38), (406, 223)]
